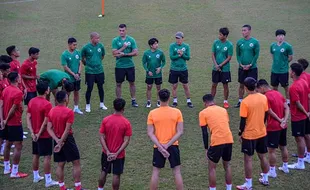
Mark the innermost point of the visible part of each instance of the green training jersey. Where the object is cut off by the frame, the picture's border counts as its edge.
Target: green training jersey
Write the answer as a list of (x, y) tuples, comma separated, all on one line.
[(71, 60), (125, 61), (179, 63), (152, 60), (93, 55), (247, 52), (221, 52), (280, 56), (54, 78)]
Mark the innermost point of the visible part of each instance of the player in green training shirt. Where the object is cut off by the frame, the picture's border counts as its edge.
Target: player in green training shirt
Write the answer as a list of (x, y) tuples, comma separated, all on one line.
[(124, 47), (282, 54), (179, 53), (247, 51), (153, 61), (56, 78), (71, 61), (222, 51), (92, 56)]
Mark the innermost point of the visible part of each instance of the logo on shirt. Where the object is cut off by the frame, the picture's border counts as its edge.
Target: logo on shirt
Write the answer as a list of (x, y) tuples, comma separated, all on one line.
[(70, 58), (183, 49), (175, 49), (217, 47), (90, 50), (157, 56), (241, 45), (282, 50), (119, 43), (274, 49), (99, 50), (149, 56), (77, 56), (251, 44), (225, 48)]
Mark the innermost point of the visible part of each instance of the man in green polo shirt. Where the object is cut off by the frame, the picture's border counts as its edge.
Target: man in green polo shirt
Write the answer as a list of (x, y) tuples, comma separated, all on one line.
[(247, 51), (179, 53), (71, 61), (222, 51), (56, 78), (153, 61), (282, 54), (124, 47), (92, 56)]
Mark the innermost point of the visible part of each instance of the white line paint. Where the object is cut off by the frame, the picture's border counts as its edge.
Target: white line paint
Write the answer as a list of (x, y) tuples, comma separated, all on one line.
[(14, 2)]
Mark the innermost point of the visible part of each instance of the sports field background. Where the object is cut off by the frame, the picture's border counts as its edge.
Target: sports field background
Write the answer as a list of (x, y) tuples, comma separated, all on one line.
[(47, 24)]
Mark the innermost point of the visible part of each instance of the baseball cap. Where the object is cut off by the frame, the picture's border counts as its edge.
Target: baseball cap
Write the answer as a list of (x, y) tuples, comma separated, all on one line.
[(179, 35)]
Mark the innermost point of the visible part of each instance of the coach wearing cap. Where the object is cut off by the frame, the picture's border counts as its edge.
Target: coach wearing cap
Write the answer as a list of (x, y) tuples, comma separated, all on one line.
[(179, 53)]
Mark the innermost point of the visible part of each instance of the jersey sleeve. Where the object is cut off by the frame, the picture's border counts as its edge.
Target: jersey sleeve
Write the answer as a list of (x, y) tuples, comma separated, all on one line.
[(202, 120), (294, 96), (187, 54), (256, 52), (289, 50), (270, 49), (70, 117), (83, 51), (18, 99), (144, 61), (266, 105), (47, 109), (133, 44), (243, 110), (180, 117), (114, 44), (163, 60), (128, 130), (23, 69), (103, 50), (213, 47), (238, 53), (102, 127), (231, 50), (63, 60), (150, 120)]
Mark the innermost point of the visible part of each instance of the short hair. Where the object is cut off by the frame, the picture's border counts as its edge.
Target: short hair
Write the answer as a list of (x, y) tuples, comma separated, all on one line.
[(280, 32), (247, 26), (262, 82), (303, 62), (71, 40), (297, 68), (10, 49), (42, 87), (6, 59), (119, 104), (4, 66), (164, 95), (93, 34), (224, 31), (13, 77), (68, 86), (208, 98), (250, 83), (61, 96), (33, 50), (152, 41), (122, 26)]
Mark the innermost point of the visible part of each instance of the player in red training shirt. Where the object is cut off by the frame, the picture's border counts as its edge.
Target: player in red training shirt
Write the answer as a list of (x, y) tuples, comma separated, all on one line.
[(59, 126), (278, 114), (115, 132), (42, 143)]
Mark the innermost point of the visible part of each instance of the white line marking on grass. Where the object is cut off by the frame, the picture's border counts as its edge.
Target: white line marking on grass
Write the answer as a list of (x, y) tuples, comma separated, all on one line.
[(13, 2)]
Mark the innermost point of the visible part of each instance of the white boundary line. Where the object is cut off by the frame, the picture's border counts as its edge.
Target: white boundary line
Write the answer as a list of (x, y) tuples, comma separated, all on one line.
[(14, 2)]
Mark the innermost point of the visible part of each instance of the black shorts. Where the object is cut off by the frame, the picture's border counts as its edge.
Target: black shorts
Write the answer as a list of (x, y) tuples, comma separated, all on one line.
[(117, 165), (298, 128), (279, 78), (307, 130), (174, 158), (224, 151), (122, 73), (4, 134), (43, 147), (260, 145), (242, 74), (175, 76), (90, 79), (77, 85), (223, 77), (29, 96), (157, 81), (276, 138), (69, 151), (15, 133)]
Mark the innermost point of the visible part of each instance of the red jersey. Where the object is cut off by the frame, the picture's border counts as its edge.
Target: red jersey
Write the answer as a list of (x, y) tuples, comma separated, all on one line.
[(39, 108), (275, 102), (59, 116), (115, 127), (15, 66), (298, 92), (12, 95), (3, 84), (306, 76), (30, 69)]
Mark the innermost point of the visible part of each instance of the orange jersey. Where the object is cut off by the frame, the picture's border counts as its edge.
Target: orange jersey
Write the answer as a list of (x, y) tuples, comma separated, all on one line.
[(217, 120), (253, 108)]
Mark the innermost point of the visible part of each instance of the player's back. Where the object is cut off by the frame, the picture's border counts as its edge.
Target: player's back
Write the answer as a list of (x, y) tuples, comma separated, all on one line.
[(276, 104)]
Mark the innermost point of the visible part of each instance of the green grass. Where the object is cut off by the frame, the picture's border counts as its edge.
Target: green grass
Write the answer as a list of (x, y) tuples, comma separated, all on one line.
[(48, 24)]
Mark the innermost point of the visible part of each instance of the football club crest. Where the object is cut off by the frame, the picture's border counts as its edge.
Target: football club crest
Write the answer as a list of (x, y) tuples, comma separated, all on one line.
[(225, 48), (183, 49), (157, 56), (99, 50), (77, 56), (282, 50), (251, 44)]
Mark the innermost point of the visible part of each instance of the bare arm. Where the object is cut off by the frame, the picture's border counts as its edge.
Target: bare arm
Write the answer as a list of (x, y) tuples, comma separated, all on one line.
[(151, 134), (66, 132), (43, 127), (66, 68), (177, 135), (11, 112), (103, 143), (51, 132), (274, 115), (80, 67), (29, 77), (290, 58), (287, 112), (133, 53), (29, 125), (301, 108), (1, 115), (124, 145), (225, 61), (213, 59)]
